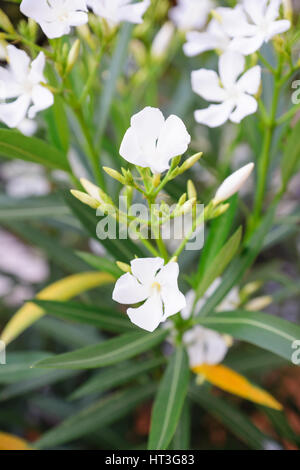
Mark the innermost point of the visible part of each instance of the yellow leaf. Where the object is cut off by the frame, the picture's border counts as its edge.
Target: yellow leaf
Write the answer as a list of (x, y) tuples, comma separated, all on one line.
[(9, 442), (232, 382), (62, 290)]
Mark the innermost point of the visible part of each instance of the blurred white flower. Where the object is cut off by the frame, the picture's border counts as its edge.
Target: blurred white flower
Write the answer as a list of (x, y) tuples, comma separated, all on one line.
[(23, 80), (230, 302), (56, 17), (258, 25), (24, 179), (191, 14), (18, 296), (20, 260), (204, 346), (6, 285), (152, 141), (234, 95), (116, 11), (155, 284), (28, 127), (233, 183), (162, 40)]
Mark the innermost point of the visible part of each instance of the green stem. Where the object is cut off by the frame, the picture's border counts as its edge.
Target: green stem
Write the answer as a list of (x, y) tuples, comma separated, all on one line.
[(264, 159)]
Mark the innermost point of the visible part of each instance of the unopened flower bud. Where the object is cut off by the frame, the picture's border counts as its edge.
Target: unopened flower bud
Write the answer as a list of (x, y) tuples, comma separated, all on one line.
[(191, 190), (5, 23), (73, 56), (114, 174), (86, 199), (126, 268), (233, 184), (162, 41), (259, 303), (190, 162)]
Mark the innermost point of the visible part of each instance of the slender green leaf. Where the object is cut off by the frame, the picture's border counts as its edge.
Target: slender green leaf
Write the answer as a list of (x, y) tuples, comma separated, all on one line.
[(169, 401), (266, 331), (103, 317), (182, 436), (96, 416), (218, 233), (15, 145), (102, 264), (107, 353), (18, 364), (220, 262), (32, 208), (114, 376)]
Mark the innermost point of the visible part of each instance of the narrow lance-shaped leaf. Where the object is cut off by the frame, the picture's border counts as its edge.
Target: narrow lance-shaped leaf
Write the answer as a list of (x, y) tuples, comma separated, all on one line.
[(220, 262), (107, 353), (266, 331), (169, 401), (15, 145)]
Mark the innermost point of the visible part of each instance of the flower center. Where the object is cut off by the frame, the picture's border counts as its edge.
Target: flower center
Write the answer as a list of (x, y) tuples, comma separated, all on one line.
[(156, 286)]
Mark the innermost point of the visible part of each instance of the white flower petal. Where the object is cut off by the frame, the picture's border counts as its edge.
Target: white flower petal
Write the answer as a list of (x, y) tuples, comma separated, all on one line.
[(246, 105), (256, 9), (173, 140), (278, 27), (134, 12), (231, 65), (145, 269), (18, 62), (250, 81), (149, 315), (206, 83), (234, 21), (12, 114), (204, 346), (129, 291), (42, 99), (272, 11), (247, 45), (215, 115), (130, 149), (36, 74)]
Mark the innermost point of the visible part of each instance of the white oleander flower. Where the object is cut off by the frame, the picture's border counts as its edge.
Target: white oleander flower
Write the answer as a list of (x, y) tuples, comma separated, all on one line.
[(234, 95), (155, 284), (116, 11), (204, 346), (22, 82), (151, 141), (230, 302), (233, 184), (259, 24), (56, 17), (162, 40), (191, 14)]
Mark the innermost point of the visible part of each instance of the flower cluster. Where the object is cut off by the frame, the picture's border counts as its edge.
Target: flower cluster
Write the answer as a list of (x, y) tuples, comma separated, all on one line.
[(56, 17), (234, 33)]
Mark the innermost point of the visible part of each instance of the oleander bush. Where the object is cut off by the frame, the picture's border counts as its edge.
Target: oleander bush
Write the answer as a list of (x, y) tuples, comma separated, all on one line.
[(149, 255)]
